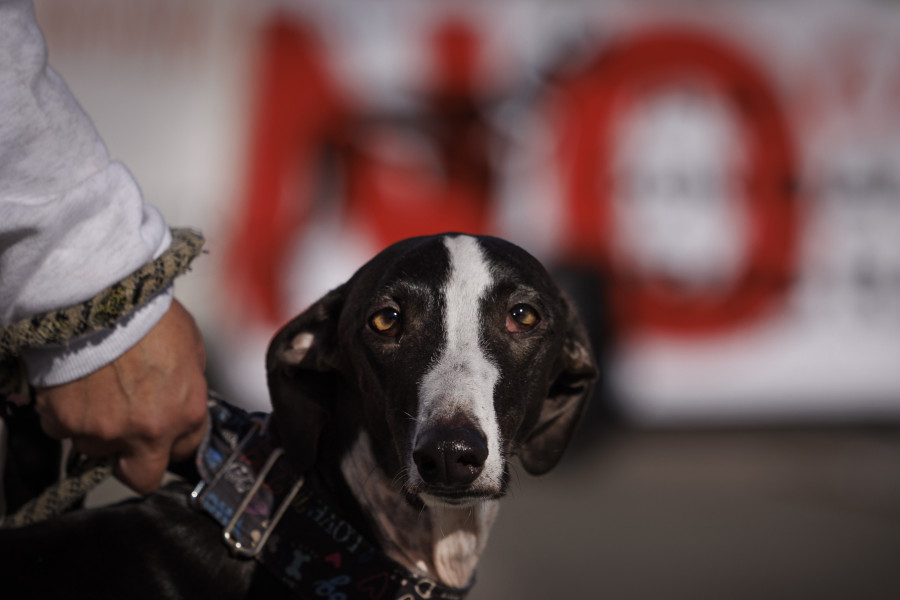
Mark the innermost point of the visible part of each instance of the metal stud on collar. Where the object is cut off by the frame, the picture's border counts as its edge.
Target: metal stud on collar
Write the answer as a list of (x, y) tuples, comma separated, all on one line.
[(257, 546), (200, 488), (237, 546)]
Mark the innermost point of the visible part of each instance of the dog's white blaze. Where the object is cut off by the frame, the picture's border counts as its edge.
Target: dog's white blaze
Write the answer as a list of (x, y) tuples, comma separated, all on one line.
[(462, 380)]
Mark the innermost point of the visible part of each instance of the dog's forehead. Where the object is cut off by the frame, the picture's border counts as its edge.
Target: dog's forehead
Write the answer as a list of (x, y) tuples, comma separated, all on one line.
[(509, 261), (430, 260), (420, 261), (425, 274)]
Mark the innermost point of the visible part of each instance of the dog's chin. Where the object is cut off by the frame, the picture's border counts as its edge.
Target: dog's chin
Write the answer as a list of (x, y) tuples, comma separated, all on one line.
[(463, 499), (422, 494), (435, 501)]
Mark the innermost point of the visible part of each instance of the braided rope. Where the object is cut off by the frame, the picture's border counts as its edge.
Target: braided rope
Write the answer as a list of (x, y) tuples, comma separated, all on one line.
[(58, 498), (58, 327), (103, 310)]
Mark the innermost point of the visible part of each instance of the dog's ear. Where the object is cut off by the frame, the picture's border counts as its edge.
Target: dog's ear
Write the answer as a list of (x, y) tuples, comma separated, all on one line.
[(302, 367), (566, 400)]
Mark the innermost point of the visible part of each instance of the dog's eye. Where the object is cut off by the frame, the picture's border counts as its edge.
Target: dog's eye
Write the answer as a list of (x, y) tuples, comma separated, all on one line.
[(522, 318), (385, 322)]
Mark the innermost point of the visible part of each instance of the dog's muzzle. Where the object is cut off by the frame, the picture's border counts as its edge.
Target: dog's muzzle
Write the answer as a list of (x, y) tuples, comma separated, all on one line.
[(316, 551)]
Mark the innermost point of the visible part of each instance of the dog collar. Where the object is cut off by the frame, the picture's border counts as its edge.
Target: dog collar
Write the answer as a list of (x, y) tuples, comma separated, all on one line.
[(266, 514)]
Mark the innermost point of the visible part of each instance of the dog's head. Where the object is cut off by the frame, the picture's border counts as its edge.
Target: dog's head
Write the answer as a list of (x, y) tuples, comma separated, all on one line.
[(454, 353)]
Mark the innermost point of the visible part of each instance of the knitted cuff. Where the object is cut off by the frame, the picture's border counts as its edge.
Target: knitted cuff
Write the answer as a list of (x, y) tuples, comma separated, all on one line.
[(103, 310), (58, 364)]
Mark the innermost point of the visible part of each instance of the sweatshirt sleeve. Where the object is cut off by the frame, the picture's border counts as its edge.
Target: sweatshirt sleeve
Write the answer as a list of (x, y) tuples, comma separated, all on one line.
[(72, 221)]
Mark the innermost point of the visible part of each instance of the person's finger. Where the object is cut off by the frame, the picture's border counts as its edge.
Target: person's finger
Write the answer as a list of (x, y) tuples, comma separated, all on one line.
[(186, 444), (18, 399), (94, 447), (142, 469), (50, 422)]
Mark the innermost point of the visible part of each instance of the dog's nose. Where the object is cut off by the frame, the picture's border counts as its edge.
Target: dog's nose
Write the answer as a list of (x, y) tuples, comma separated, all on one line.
[(450, 456)]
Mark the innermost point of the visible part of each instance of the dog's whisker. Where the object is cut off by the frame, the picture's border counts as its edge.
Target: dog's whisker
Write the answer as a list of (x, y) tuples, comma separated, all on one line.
[(470, 514), (399, 481), (515, 482), (422, 510)]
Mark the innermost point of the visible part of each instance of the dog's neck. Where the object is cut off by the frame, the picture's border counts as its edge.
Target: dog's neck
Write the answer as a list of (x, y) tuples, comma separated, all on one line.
[(441, 542)]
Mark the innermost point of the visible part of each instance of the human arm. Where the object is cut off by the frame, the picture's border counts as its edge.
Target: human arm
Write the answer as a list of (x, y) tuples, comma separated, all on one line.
[(72, 223)]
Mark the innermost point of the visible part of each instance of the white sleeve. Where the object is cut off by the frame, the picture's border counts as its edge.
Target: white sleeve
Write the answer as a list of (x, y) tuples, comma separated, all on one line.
[(72, 222)]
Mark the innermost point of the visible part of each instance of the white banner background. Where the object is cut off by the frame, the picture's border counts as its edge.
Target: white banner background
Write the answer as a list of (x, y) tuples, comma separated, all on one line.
[(174, 88)]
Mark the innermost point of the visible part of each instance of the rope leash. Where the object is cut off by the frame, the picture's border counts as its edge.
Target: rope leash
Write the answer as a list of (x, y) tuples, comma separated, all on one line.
[(61, 496), (59, 327)]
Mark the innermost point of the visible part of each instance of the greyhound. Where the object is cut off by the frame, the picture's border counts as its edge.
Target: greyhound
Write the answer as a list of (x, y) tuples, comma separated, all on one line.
[(400, 401)]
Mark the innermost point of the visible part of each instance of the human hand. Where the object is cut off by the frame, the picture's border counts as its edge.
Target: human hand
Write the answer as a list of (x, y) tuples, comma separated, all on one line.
[(146, 407)]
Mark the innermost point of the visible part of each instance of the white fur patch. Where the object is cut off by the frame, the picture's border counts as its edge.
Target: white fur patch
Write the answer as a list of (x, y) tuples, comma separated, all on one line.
[(460, 537), (444, 542), (462, 380), (299, 348)]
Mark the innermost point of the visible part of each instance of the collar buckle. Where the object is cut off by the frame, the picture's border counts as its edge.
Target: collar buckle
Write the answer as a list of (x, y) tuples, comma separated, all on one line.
[(245, 533)]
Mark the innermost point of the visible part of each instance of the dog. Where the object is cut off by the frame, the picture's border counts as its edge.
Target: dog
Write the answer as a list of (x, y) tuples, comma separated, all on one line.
[(402, 398)]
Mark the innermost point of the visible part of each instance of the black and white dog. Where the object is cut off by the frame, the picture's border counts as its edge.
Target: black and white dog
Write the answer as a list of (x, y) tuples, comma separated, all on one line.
[(402, 396)]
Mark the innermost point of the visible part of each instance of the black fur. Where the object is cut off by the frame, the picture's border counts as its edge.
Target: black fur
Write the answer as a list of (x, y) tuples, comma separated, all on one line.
[(349, 379)]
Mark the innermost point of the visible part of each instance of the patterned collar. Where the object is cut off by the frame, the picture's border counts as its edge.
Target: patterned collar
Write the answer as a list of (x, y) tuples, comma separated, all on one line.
[(268, 515)]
